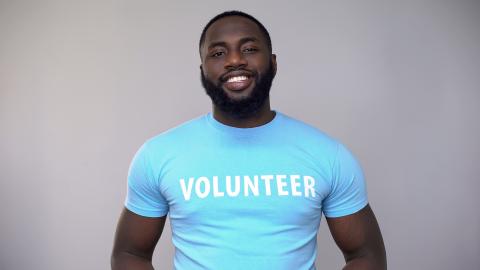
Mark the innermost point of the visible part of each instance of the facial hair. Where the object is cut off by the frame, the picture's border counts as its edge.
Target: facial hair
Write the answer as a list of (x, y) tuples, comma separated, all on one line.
[(244, 107)]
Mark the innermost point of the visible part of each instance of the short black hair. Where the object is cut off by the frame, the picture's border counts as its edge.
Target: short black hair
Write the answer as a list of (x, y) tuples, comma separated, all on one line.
[(236, 13)]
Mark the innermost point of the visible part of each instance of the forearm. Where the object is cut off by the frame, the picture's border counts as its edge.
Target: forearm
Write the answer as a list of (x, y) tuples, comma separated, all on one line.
[(128, 261)]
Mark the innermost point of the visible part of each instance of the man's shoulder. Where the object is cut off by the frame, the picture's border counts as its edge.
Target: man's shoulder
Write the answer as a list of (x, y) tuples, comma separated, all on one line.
[(175, 135), (304, 131)]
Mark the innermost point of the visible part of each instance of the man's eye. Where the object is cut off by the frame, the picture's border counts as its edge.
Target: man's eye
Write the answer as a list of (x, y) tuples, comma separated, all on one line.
[(249, 50), (216, 54)]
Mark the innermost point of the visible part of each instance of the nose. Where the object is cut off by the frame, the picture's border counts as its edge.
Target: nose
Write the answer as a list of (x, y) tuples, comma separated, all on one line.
[(235, 60)]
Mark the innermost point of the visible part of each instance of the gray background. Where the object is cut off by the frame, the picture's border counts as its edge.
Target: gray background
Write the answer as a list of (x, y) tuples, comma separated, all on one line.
[(84, 83)]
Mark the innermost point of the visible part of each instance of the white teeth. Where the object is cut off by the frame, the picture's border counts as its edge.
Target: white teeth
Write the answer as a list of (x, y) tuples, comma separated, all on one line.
[(237, 79)]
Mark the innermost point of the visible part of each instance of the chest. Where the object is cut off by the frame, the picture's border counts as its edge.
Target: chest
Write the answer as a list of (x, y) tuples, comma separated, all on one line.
[(285, 186)]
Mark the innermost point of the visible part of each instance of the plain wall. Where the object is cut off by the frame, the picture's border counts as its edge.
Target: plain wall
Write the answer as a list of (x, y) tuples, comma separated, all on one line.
[(84, 83)]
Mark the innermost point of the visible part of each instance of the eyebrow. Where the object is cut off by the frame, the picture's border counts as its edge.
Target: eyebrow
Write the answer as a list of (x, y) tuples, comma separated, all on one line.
[(224, 44)]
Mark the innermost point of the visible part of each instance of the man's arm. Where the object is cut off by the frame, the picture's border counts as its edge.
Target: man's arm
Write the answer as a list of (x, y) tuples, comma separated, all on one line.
[(135, 241), (359, 238)]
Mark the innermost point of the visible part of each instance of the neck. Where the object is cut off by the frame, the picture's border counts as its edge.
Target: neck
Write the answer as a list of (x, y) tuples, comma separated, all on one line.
[(263, 116)]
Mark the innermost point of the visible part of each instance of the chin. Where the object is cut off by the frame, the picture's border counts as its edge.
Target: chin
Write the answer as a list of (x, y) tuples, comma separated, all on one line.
[(239, 94)]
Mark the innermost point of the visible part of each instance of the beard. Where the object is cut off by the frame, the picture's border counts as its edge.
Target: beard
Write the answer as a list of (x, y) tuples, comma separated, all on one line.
[(244, 107)]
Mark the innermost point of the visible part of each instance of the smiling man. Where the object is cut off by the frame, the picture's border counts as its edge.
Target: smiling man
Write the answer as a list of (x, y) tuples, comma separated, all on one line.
[(244, 186)]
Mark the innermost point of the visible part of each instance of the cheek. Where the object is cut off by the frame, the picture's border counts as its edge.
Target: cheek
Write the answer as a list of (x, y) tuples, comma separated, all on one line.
[(260, 63), (213, 70)]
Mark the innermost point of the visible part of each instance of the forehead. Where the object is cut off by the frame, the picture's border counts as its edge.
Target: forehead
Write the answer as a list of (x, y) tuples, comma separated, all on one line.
[(232, 27)]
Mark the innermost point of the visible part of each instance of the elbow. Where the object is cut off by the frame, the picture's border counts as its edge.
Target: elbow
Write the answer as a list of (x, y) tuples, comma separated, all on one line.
[(124, 260), (367, 260), (115, 261)]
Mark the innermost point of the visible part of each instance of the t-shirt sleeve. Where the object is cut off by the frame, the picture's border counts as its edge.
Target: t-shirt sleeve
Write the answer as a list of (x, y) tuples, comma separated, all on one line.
[(143, 193), (348, 191)]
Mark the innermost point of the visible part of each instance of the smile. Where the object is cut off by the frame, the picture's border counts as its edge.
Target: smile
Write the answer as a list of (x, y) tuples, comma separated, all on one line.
[(237, 79), (238, 83)]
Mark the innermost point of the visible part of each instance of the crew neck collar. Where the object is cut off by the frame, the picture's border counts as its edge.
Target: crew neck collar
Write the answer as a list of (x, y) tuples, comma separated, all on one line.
[(243, 131)]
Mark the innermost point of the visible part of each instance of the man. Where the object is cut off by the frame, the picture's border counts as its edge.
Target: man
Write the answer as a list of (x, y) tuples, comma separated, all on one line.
[(244, 186)]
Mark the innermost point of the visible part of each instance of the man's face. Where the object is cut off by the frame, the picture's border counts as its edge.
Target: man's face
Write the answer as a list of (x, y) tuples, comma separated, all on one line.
[(237, 67)]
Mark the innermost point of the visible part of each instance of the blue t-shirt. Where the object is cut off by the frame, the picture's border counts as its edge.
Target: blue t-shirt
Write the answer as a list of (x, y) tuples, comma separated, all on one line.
[(244, 198)]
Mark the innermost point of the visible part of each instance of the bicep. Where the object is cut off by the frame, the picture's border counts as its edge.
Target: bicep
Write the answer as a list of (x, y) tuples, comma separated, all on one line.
[(137, 235), (358, 234)]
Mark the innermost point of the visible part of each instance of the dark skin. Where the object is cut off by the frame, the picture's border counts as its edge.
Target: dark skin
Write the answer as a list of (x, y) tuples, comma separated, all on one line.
[(231, 43), (238, 42), (135, 241)]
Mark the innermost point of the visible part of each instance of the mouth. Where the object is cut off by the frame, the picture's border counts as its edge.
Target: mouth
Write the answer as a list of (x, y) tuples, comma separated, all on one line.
[(237, 81)]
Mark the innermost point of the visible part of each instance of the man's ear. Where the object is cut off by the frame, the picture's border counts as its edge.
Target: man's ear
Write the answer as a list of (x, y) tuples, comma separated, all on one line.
[(274, 63)]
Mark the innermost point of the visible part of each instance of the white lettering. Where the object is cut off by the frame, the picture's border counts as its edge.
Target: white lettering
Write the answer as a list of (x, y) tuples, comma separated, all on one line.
[(267, 179), (249, 185), (206, 187), (281, 184), (216, 192), (294, 184), (309, 183), (229, 186), (187, 192)]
